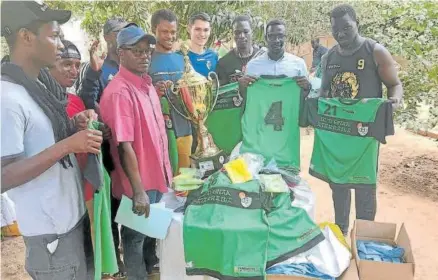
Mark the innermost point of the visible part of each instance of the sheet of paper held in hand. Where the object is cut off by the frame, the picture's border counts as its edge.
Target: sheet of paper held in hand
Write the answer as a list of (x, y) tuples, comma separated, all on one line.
[(154, 226)]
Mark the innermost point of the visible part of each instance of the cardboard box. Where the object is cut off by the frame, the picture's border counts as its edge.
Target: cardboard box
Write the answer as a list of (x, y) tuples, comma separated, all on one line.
[(383, 232), (349, 274)]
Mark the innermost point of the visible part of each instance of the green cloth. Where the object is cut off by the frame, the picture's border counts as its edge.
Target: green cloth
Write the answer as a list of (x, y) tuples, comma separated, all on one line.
[(235, 231), (270, 123), (171, 137), (224, 122), (347, 136), (291, 230), (225, 232), (104, 250)]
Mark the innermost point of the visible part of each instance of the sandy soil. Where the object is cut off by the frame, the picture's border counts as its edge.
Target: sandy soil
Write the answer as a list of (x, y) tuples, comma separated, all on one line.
[(407, 192)]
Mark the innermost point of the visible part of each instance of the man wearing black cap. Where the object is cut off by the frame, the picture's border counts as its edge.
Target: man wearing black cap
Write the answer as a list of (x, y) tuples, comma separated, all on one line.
[(38, 138), (130, 106), (98, 75)]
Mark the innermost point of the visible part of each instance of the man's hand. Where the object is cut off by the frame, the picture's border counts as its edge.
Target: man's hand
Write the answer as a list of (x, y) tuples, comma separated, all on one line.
[(246, 81), (396, 102), (96, 61), (140, 203), (161, 88), (303, 83), (106, 131), (81, 119), (85, 141)]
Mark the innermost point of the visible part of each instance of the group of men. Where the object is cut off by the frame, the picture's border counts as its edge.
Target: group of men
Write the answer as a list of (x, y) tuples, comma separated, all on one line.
[(144, 141)]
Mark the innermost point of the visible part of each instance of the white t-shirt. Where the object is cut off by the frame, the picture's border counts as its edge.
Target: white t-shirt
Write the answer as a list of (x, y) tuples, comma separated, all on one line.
[(53, 202), (289, 65)]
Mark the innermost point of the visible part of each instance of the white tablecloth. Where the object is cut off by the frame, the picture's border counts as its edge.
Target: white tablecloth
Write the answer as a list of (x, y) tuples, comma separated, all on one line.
[(171, 249)]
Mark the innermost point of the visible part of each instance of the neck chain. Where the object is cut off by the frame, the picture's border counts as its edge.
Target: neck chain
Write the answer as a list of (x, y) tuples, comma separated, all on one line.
[(245, 59)]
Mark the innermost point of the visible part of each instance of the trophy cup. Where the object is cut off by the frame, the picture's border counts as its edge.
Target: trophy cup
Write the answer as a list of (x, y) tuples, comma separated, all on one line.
[(197, 96)]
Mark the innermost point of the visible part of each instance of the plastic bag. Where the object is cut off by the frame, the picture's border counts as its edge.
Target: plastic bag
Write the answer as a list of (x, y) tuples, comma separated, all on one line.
[(254, 162), (304, 198), (329, 256), (273, 183), (236, 151), (290, 175)]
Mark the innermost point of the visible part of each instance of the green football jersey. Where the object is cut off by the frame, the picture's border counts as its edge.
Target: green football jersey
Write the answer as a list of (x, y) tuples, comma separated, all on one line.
[(347, 136), (224, 122), (270, 123), (171, 137)]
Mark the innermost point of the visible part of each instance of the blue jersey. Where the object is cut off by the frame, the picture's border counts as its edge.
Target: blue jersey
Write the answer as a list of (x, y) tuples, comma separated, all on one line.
[(204, 63)]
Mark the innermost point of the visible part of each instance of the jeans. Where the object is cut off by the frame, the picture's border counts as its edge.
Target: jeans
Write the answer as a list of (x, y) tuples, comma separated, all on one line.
[(133, 242), (366, 204)]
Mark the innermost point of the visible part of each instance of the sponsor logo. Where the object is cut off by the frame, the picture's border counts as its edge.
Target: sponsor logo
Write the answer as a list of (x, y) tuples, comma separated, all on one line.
[(246, 269), (333, 66), (348, 111)]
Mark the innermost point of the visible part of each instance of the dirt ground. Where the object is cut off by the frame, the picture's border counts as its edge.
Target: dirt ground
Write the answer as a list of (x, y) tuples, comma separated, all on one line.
[(407, 192)]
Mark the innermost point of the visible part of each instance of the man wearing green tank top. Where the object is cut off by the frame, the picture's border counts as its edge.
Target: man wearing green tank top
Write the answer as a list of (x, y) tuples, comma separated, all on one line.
[(356, 69)]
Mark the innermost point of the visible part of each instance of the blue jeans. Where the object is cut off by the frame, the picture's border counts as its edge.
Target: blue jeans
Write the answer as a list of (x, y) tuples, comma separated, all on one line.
[(133, 246)]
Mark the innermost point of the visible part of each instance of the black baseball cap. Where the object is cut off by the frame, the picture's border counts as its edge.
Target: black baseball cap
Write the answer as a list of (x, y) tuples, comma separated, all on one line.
[(18, 14), (115, 25)]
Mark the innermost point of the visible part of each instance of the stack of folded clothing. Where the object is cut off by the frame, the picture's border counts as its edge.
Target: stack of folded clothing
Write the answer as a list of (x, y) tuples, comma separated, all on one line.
[(380, 252)]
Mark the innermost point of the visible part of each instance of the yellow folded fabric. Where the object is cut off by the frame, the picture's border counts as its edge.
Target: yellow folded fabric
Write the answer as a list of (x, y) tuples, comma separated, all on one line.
[(238, 171)]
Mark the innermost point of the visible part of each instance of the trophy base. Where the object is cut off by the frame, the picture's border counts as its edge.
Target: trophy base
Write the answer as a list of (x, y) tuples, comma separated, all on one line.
[(209, 164)]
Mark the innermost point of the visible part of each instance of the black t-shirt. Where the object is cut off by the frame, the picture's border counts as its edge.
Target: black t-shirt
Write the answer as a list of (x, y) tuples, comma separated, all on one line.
[(352, 76), (230, 67)]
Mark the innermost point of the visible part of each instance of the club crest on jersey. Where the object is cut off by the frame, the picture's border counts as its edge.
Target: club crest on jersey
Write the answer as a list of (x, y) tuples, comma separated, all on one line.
[(208, 64), (169, 124), (361, 129), (245, 200), (237, 101)]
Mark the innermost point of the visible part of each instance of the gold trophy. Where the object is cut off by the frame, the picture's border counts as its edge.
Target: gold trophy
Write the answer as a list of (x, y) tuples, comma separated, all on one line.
[(197, 96)]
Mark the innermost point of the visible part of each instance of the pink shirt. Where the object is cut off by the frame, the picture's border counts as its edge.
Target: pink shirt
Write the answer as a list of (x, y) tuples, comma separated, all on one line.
[(131, 108)]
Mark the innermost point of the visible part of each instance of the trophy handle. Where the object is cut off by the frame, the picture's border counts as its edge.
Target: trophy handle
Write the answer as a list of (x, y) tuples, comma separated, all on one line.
[(170, 87), (212, 76)]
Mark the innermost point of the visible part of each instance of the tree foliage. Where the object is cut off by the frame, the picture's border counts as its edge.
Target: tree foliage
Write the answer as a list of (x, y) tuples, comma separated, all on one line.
[(409, 29)]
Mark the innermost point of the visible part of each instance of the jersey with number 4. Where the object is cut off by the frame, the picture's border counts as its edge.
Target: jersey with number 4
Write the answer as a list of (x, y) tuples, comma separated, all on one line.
[(270, 123), (347, 137)]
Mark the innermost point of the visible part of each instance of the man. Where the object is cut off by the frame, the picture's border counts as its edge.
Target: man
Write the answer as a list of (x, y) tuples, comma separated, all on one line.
[(131, 107), (233, 65), (66, 72), (203, 60), (270, 123), (318, 52), (367, 65), (166, 64), (96, 79), (276, 61), (93, 80), (38, 139)]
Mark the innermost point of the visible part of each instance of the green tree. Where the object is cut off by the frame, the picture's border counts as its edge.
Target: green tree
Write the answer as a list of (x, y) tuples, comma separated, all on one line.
[(95, 13)]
